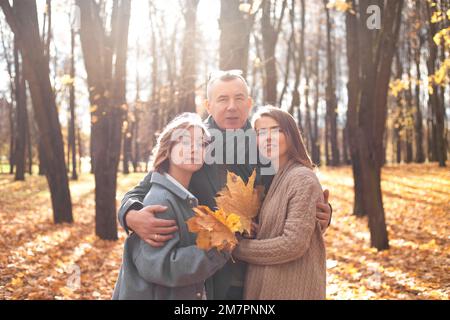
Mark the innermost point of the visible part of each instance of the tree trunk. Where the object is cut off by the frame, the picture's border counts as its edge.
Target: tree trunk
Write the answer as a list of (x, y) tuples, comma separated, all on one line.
[(345, 147), (29, 144), (153, 105), (21, 118), (270, 28), (12, 137), (327, 141), (375, 50), (399, 115), (80, 148), (308, 127), (353, 89), (436, 104), (127, 138), (11, 114), (378, 54), (315, 140), (331, 102), (136, 145), (409, 111), (72, 140), (91, 146), (398, 145), (418, 119), (188, 64), (24, 23), (107, 80), (287, 69), (298, 60), (235, 27), (42, 166)]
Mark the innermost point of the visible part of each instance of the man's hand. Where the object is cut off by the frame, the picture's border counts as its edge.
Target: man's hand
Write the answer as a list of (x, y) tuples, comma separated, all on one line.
[(324, 211), (253, 231), (152, 230)]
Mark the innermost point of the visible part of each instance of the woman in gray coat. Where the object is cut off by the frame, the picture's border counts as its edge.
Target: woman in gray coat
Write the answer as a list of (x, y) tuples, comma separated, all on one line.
[(177, 270)]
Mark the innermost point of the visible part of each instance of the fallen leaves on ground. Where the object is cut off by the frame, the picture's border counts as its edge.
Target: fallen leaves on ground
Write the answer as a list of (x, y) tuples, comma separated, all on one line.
[(40, 260), (416, 200)]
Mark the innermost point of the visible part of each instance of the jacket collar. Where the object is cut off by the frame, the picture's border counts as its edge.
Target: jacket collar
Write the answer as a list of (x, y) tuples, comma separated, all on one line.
[(211, 123), (165, 182)]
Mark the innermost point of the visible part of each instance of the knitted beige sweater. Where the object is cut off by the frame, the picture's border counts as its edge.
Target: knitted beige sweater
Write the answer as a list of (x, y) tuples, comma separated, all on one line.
[(287, 258)]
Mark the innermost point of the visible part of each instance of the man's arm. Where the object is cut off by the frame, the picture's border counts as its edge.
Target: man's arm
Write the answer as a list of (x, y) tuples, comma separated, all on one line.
[(132, 200), (133, 216), (175, 265)]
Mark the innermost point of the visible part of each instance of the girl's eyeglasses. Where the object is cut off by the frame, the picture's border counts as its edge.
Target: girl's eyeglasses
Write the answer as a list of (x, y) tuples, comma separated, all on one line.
[(200, 143)]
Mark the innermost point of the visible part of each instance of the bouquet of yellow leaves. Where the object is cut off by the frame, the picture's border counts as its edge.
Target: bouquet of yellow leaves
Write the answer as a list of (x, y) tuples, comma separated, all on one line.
[(237, 204)]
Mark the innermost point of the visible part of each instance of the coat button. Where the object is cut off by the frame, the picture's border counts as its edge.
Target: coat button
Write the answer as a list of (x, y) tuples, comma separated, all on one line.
[(199, 295)]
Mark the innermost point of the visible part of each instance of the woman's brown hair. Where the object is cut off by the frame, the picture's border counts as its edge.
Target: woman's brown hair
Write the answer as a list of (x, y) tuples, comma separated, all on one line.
[(296, 147), (169, 136)]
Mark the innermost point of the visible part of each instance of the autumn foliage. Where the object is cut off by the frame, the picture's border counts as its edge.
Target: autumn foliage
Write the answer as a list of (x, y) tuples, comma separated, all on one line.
[(40, 260), (238, 203), (215, 229)]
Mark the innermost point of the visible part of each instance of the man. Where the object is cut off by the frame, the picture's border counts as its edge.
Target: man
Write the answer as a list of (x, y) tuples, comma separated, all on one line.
[(228, 104)]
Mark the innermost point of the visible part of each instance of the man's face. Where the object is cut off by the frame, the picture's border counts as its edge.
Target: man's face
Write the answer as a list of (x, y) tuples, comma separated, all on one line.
[(229, 103)]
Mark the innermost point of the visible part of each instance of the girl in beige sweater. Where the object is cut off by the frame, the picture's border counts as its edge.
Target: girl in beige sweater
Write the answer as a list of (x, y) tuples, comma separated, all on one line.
[(287, 257)]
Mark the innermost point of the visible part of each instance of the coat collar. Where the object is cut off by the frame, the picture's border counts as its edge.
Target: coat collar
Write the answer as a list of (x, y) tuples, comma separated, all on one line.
[(181, 193), (211, 123)]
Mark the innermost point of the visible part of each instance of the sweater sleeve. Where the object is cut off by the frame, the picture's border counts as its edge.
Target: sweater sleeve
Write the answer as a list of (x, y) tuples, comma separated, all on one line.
[(297, 233)]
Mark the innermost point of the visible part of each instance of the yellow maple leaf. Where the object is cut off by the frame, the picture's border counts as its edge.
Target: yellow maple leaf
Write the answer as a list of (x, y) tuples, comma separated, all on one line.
[(398, 85), (437, 16), (442, 36), (237, 204), (340, 5), (67, 80), (240, 199), (215, 229)]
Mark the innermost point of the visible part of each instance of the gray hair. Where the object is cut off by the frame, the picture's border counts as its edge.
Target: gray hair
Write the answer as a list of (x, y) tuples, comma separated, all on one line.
[(225, 75)]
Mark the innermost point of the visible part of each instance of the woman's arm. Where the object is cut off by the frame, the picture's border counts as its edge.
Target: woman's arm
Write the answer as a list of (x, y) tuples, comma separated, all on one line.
[(175, 267), (297, 233)]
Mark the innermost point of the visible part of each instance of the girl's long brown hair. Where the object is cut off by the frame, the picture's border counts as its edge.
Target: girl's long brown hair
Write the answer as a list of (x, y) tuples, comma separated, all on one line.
[(296, 147)]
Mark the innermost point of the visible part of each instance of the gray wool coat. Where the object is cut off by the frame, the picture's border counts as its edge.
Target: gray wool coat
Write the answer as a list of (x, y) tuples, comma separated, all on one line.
[(178, 270)]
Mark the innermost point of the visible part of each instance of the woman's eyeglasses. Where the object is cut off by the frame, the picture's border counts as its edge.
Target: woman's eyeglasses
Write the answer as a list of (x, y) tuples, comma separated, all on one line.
[(264, 132)]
